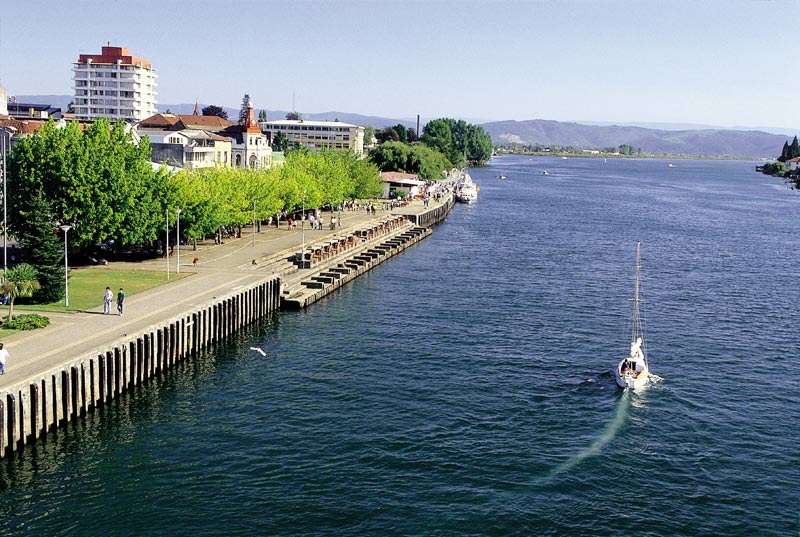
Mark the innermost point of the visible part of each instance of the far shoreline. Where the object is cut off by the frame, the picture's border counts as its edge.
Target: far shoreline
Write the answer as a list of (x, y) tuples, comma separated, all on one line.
[(618, 156)]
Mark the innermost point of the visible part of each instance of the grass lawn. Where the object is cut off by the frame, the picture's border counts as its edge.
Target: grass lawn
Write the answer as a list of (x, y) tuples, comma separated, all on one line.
[(87, 286)]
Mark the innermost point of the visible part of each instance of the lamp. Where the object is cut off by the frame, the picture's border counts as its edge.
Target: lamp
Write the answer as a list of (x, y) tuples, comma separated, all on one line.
[(66, 228), (178, 238), (9, 131)]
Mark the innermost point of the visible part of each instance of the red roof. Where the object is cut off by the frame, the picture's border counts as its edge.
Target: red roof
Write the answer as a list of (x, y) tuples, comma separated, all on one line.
[(110, 55), (398, 176), (795, 159), (24, 127), (189, 120)]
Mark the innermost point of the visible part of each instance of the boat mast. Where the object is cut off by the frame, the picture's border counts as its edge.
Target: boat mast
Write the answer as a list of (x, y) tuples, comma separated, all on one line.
[(636, 294)]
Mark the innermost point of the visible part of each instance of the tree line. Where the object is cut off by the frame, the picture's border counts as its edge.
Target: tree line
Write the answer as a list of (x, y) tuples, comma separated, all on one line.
[(623, 149), (101, 182), (444, 143)]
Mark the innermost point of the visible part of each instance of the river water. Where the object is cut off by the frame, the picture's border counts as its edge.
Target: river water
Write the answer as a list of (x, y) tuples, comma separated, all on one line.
[(463, 387)]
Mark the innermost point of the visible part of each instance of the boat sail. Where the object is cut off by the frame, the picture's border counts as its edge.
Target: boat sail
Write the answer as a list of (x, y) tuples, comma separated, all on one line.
[(633, 372)]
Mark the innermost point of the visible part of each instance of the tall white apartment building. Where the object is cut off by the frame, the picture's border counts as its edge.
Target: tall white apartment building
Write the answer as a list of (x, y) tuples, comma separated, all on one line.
[(115, 85)]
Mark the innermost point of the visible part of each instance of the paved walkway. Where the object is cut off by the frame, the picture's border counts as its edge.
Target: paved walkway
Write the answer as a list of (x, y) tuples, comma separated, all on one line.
[(221, 268)]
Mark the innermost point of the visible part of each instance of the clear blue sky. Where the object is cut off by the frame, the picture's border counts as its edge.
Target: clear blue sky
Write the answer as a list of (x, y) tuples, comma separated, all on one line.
[(727, 63)]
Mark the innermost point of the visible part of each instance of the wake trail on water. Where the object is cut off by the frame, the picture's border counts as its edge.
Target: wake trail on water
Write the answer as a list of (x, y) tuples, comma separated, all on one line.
[(609, 433)]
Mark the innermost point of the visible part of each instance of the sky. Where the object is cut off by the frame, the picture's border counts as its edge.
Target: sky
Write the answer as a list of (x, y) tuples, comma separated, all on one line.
[(726, 63)]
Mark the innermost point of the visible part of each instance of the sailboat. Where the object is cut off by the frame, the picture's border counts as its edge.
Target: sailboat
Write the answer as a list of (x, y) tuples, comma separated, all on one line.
[(633, 372)]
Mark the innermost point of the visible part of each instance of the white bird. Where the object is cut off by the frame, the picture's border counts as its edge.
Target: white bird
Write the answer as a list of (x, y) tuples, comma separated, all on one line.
[(258, 350)]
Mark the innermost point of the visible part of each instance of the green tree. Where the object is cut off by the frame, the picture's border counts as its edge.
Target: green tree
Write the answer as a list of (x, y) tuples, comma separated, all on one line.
[(369, 134), (294, 116), (97, 179), (427, 163), (387, 134), (794, 149), (44, 250), (464, 141), (479, 147), (785, 152), (262, 115), (280, 142), (214, 110), (402, 132), (438, 136), (243, 108), (416, 158), (19, 282), (392, 156), (71, 107)]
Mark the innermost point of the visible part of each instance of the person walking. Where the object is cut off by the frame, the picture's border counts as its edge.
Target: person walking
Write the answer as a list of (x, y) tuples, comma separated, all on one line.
[(109, 296), (120, 300), (3, 357)]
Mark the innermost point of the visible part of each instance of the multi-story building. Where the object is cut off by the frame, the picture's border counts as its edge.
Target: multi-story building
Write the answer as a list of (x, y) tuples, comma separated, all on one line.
[(317, 135), (115, 85), (187, 141)]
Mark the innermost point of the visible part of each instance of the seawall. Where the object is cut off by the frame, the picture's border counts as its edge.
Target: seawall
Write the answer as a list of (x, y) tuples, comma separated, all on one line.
[(84, 381), (31, 409)]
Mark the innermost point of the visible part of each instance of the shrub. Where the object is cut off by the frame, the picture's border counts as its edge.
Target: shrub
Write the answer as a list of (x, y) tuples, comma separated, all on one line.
[(28, 321)]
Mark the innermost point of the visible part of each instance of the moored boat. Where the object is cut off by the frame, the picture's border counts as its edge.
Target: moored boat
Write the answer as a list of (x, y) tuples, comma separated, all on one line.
[(633, 372), (467, 192)]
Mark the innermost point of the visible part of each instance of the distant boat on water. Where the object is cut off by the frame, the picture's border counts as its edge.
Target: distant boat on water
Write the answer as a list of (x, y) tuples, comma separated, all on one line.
[(545, 172), (502, 176)]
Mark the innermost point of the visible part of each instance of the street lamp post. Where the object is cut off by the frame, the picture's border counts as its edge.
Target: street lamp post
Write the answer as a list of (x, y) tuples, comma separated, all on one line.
[(178, 212), (9, 132), (66, 228), (166, 244)]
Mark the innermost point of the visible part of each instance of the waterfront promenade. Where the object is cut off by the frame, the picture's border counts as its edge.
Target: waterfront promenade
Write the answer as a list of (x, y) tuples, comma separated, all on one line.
[(221, 269)]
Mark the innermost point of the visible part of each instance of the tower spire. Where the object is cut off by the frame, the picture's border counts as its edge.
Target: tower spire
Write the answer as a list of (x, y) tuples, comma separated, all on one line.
[(250, 123), (196, 109)]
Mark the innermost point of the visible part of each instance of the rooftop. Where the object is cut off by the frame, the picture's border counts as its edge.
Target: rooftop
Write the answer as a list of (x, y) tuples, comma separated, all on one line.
[(308, 123), (110, 55)]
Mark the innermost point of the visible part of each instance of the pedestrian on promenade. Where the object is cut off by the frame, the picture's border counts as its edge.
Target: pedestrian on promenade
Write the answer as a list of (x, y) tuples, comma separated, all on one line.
[(109, 296), (120, 300), (3, 357)]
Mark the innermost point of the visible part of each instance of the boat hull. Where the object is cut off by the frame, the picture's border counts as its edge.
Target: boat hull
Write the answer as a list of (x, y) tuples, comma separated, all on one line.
[(629, 381)]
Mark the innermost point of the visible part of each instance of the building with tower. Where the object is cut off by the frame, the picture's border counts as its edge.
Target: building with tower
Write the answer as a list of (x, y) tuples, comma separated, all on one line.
[(250, 146), (114, 84)]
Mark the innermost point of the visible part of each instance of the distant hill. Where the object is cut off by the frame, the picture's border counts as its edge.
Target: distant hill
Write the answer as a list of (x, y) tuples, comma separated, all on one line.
[(693, 142), (272, 115), (703, 142), (62, 101), (59, 101)]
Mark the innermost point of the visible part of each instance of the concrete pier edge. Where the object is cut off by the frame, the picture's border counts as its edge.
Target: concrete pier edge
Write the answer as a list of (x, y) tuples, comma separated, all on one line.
[(36, 406)]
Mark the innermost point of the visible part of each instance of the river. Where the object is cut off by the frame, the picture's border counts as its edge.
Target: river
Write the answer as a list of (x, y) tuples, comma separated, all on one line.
[(464, 388)]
